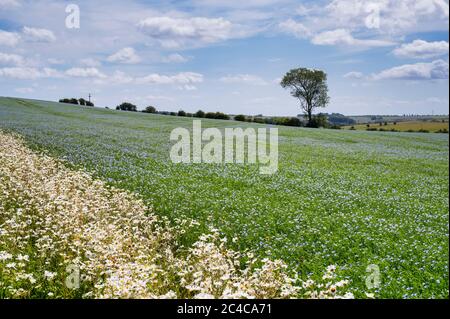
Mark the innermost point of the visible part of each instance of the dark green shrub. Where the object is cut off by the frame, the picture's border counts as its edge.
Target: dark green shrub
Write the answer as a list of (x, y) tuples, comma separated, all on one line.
[(149, 109), (199, 114), (217, 115), (259, 120), (293, 121), (126, 106), (222, 116), (319, 120), (240, 118)]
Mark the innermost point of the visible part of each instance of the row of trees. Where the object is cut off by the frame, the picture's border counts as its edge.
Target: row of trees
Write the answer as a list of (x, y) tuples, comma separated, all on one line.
[(199, 114), (212, 115), (79, 101), (307, 85), (126, 106), (319, 120), (287, 121)]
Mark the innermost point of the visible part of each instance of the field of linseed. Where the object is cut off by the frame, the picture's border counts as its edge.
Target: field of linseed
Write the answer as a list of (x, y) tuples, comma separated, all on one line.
[(64, 234), (349, 199)]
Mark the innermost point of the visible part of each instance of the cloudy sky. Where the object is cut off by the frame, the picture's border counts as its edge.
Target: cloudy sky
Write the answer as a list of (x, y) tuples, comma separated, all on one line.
[(381, 56)]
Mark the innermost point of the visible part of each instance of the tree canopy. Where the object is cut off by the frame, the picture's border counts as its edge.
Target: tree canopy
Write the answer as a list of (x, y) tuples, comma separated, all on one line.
[(127, 107), (309, 86), (80, 101), (150, 109), (200, 114)]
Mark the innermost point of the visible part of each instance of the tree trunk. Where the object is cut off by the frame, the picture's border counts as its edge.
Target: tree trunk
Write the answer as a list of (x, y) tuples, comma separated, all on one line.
[(309, 116)]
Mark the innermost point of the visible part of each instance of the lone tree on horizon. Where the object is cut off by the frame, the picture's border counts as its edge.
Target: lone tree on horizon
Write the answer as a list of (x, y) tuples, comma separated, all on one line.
[(309, 86)]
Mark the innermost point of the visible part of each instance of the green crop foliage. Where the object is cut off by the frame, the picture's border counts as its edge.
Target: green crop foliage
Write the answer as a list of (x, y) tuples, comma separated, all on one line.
[(348, 198)]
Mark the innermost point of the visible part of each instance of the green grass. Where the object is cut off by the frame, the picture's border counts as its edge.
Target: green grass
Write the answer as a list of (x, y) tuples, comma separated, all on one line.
[(349, 198)]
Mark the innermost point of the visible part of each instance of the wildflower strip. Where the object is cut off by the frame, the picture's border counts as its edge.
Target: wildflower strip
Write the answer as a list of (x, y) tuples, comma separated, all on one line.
[(54, 219)]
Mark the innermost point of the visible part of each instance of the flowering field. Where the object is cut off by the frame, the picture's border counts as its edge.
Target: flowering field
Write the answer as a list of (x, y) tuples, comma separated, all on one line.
[(55, 219), (121, 210)]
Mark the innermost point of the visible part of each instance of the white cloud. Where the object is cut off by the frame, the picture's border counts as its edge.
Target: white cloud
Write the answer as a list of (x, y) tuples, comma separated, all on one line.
[(25, 73), (436, 100), (187, 87), (55, 61), (436, 70), (119, 77), (345, 38), (175, 58), (236, 4), (4, 4), (303, 10), (339, 37), (389, 16), (295, 28), (176, 32), (89, 62), (277, 81), (9, 38), (369, 19), (243, 78), (50, 73), (38, 35), (185, 78), (159, 97), (262, 100), (422, 49), (85, 73), (25, 90), (354, 75), (11, 59), (126, 55)]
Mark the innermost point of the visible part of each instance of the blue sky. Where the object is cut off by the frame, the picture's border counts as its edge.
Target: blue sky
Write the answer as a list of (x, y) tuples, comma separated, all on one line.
[(381, 56)]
